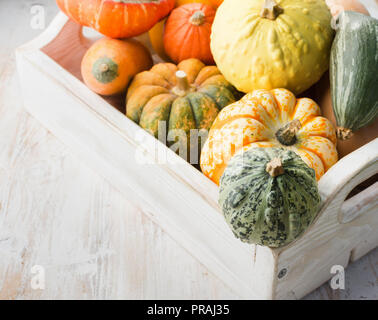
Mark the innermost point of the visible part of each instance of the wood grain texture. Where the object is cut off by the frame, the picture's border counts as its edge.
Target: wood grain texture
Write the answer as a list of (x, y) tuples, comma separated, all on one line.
[(93, 242)]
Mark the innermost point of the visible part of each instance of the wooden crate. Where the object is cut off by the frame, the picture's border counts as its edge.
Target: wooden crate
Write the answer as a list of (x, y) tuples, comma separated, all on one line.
[(180, 198)]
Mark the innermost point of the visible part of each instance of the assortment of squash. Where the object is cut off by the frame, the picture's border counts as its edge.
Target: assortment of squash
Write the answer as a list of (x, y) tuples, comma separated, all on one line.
[(265, 149), (265, 119)]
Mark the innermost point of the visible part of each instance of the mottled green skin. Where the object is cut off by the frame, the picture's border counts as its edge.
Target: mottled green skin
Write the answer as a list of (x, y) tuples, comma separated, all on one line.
[(107, 76), (264, 210), (354, 71), (151, 104)]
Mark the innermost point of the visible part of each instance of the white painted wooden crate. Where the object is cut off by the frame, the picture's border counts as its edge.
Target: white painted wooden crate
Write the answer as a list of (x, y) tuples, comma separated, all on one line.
[(180, 198)]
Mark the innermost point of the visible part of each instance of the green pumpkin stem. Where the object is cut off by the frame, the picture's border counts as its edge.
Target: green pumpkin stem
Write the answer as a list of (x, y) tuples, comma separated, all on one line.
[(287, 135), (271, 10), (275, 167), (105, 70), (343, 133), (198, 18)]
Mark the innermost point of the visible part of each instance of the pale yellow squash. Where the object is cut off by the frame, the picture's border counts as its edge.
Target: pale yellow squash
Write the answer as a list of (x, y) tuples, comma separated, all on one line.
[(271, 44)]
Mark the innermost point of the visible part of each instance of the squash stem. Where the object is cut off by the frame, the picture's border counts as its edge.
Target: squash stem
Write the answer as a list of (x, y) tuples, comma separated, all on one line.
[(275, 167), (271, 10), (104, 68), (343, 133), (182, 86), (198, 18), (287, 135)]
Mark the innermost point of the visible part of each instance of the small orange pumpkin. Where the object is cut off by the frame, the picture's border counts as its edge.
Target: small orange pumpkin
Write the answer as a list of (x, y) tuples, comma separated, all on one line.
[(187, 33), (272, 118), (109, 64), (156, 33), (216, 3), (182, 2)]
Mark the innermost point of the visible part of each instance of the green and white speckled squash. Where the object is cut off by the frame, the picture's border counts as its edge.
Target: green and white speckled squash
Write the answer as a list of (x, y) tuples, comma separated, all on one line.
[(354, 73), (268, 196)]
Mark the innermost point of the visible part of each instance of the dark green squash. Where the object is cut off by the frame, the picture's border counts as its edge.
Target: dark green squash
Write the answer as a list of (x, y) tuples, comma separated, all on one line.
[(354, 73), (268, 196), (178, 99)]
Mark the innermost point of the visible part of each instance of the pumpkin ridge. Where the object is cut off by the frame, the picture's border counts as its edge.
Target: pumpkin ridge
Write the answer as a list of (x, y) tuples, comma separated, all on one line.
[(155, 70), (305, 176), (220, 124), (199, 95), (191, 108), (212, 70), (319, 156), (257, 177), (164, 104), (305, 132), (265, 189), (184, 41), (132, 89), (192, 67), (221, 91), (207, 95), (137, 109), (280, 116), (303, 191), (286, 215)]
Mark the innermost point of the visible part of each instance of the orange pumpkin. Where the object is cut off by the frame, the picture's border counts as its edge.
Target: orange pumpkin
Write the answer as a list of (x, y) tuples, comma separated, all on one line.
[(336, 6), (272, 118), (156, 33), (117, 19), (109, 64), (182, 2), (187, 33), (216, 3)]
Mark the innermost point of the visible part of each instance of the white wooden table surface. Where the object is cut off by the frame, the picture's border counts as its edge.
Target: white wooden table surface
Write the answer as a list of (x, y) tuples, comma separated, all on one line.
[(91, 242)]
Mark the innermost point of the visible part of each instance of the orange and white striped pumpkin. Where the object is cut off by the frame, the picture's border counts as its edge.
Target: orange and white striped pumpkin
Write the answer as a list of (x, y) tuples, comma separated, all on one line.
[(274, 118), (117, 18)]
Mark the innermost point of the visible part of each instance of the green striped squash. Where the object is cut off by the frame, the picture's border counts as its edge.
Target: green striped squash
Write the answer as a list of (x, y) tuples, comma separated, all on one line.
[(354, 72), (171, 101), (268, 196)]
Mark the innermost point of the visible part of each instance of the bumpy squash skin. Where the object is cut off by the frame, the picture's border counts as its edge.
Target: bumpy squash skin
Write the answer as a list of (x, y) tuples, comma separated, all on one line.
[(257, 53), (354, 71), (265, 210), (153, 97)]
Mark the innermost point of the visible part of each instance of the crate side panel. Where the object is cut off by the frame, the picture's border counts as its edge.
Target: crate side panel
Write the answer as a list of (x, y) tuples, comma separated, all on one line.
[(180, 211)]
